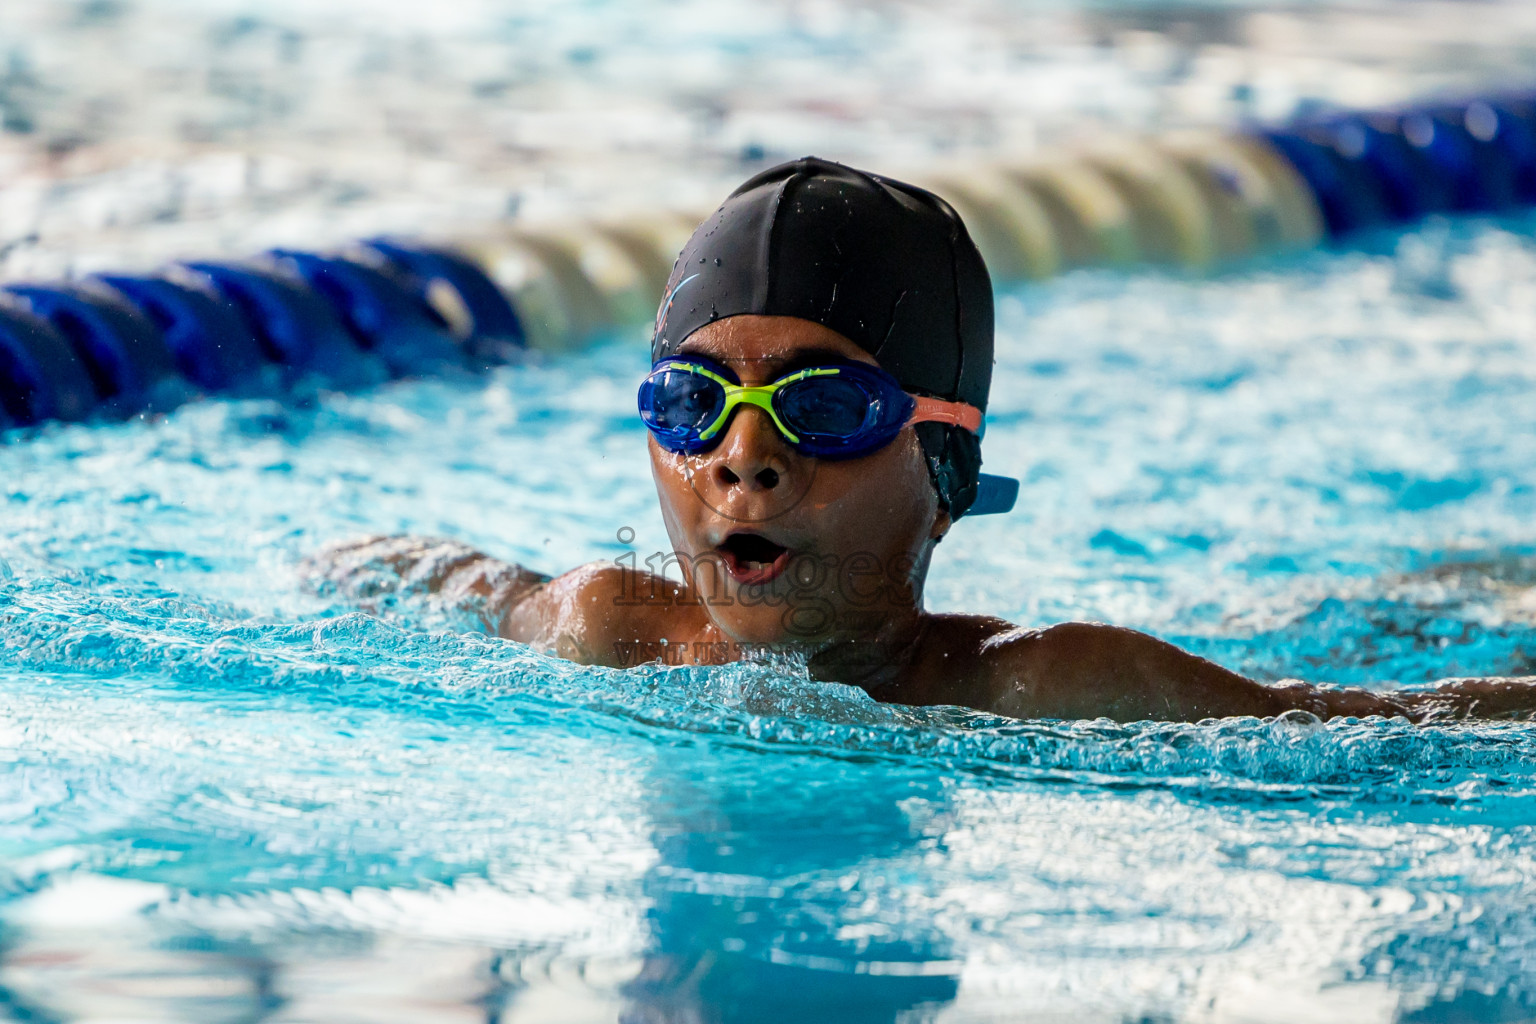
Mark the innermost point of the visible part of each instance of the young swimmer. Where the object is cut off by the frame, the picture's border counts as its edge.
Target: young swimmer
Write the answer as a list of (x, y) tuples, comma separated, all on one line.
[(821, 363)]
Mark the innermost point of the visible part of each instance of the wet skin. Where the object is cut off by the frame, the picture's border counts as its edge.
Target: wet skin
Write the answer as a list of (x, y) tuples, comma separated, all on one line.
[(827, 558)]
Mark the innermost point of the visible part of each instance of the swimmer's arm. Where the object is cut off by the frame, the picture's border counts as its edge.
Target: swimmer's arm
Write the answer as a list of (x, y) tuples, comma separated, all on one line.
[(598, 614), (1507, 697), (374, 569), (602, 614), (1089, 670)]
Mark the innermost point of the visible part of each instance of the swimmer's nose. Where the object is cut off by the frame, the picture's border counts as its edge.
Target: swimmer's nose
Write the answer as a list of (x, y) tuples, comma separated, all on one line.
[(752, 456)]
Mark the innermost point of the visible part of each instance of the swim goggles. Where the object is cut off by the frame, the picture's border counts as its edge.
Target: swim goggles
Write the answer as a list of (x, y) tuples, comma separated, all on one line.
[(835, 411)]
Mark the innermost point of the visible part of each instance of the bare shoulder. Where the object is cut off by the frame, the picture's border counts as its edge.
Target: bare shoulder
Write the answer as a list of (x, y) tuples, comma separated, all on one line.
[(1093, 670), (997, 647), (966, 632), (590, 613), (1018, 665), (1066, 670), (953, 663), (1017, 647), (1024, 664)]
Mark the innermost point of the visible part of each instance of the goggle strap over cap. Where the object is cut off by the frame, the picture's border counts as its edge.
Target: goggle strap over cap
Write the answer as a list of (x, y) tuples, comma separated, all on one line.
[(937, 410)]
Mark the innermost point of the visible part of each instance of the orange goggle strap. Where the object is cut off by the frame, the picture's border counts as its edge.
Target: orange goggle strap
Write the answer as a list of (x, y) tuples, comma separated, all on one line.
[(956, 414)]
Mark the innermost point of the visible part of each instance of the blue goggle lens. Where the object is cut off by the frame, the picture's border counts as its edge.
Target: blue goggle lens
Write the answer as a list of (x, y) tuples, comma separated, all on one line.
[(680, 400), (677, 405), (824, 406)]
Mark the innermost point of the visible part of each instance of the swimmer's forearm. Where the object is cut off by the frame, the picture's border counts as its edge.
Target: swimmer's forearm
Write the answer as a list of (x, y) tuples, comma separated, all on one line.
[(453, 573), (1451, 700), (495, 590), (1506, 697)]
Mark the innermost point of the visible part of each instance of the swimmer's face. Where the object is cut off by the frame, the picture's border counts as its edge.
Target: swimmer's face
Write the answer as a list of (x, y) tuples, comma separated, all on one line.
[(783, 547)]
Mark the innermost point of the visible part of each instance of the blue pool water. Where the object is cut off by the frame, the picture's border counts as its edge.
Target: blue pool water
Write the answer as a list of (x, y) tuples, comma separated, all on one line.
[(226, 799)]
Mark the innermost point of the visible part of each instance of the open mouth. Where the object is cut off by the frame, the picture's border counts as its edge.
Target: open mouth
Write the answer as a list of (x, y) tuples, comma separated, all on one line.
[(753, 558)]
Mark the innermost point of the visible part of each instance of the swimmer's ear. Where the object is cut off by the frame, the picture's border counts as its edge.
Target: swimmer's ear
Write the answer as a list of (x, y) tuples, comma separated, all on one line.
[(941, 525)]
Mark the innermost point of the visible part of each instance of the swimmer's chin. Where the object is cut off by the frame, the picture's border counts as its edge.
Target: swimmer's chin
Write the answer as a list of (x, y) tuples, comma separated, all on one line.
[(773, 641), (762, 628)]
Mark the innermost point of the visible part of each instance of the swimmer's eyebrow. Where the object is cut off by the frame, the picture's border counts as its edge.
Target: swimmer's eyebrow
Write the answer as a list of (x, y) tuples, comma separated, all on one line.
[(812, 357), (773, 366)]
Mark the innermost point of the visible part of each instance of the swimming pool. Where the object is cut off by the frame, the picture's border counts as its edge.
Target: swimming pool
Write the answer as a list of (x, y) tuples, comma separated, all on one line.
[(228, 799)]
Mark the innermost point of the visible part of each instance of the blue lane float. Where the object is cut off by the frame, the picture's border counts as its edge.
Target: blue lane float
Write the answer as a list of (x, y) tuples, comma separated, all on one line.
[(115, 346), (41, 378), (407, 334), (1463, 148), (1343, 187), (490, 327), (1393, 168), (124, 354), (297, 329), (214, 347)]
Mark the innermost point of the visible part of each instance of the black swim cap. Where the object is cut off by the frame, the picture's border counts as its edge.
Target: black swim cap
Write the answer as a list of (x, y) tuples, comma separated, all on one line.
[(885, 264)]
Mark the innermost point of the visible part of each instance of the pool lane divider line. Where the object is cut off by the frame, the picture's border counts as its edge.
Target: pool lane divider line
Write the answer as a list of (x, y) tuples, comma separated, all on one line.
[(113, 346)]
